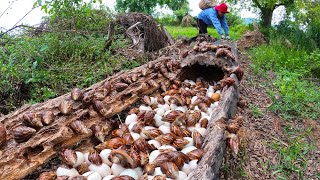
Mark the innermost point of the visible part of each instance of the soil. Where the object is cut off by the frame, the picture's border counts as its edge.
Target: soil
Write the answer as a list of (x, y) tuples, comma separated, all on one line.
[(258, 158)]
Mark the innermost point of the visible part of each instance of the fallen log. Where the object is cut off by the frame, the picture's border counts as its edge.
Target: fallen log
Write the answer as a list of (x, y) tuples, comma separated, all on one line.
[(34, 134)]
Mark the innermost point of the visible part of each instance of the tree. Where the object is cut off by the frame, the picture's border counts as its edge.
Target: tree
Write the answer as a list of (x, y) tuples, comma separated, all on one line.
[(147, 6), (267, 7)]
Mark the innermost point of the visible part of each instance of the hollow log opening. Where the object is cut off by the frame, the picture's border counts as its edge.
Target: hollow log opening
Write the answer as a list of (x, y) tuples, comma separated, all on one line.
[(208, 73)]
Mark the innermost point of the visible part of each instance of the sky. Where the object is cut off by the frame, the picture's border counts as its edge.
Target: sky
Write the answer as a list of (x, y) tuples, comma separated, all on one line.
[(19, 8)]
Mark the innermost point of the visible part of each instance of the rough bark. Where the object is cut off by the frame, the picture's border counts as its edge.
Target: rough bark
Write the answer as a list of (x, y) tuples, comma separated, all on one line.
[(116, 94)]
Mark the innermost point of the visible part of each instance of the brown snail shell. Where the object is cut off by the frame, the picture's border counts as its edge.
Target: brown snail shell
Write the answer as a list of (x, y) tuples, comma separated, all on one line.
[(161, 158), (170, 169), (179, 143), (68, 156), (113, 143), (76, 94), (144, 158), (99, 132), (121, 157), (47, 117), (146, 100), (82, 168), (167, 138), (227, 82), (65, 107), (204, 122), (120, 86), (33, 120), (195, 154), (50, 175), (149, 169), (152, 133), (136, 157), (122, 177), (134, 110), (88, 97), (153, 83), (128, 138), (23, 133), (197, 139), (203, 107), (148, 118), (172, 116), (99, 107), (94, 157), (177, 130), (3, 134), (193, 118), (79, 127), (141, 145)]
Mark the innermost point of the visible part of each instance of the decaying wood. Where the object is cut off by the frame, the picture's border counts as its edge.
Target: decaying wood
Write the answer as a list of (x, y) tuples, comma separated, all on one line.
[(107, 98)]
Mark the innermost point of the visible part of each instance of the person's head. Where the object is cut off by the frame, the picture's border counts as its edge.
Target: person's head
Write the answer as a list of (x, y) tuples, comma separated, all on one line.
[(222, 9)]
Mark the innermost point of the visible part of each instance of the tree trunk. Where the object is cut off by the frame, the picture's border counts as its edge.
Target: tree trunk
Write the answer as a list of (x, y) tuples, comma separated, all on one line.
[(266, 16)]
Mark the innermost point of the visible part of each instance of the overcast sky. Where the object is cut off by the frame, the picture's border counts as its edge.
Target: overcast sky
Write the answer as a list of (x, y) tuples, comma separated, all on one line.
[(18, 8)]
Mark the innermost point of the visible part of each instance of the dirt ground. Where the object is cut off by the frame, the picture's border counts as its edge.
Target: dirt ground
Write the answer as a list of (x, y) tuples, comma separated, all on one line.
[(258, 159)]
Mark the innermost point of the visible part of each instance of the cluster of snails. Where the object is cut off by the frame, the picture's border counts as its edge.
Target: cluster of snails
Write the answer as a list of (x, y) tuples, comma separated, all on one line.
[(221, 50), (160, 139)]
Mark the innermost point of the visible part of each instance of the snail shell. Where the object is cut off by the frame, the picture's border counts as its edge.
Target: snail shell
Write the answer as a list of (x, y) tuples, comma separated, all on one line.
[(170, 169), (113, 143), (50, 175), (65, 107), (68, 156), (47, 117), (76, 94), (79, 127), (94, 157), (23, 133), (33, 120)]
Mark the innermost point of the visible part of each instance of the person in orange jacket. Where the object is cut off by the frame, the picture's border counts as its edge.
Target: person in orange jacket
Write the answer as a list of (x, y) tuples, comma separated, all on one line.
[(214, 16)]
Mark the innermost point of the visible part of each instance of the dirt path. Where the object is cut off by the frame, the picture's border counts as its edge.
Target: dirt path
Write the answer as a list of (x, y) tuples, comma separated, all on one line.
[(263, 138)]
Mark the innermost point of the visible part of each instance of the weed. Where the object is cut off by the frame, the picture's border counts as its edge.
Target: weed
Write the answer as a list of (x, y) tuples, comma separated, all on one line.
[(293, 158), (256, 112)]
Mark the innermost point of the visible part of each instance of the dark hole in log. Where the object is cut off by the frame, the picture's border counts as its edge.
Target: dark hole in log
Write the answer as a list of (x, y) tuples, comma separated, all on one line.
[(33, 151), (209, 73)]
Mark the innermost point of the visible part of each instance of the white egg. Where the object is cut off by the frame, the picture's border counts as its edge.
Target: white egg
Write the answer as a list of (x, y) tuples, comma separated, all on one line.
[(130, 172), (209, 94), (210, 89), (158, 120), (153, 155), (67, 172), (86, 158), (150, 177), (203, 114), (167, 147), (153, 100), (164, 129), (94, 176), (135, 136), (202, 131), (219, 92), (104, 154), (186, 81), (139, 171), (182, 176), (173, 106), (109, 177), (145, 108), (155, 143), (166, 99), (188, 149), (186, 168), (196, 108), (209, 111), (214, 105), (131, 126), (197, 125), (160, 111), (167, 112), (80, 159), (131, 119), (165, 107), (192, 82), (103, 169), (190, 142), (193, 164), (191, 128), (194, 98), (181, 108), (157, 171), (116, 169)]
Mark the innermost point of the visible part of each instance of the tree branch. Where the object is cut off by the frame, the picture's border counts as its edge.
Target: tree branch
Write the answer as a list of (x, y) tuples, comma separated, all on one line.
[(256, 2)]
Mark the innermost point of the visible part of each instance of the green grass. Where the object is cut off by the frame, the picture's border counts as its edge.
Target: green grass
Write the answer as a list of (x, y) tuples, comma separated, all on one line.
[(175, 31)]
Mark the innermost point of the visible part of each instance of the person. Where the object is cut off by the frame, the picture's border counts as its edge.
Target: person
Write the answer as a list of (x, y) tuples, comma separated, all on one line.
[(214, 16)]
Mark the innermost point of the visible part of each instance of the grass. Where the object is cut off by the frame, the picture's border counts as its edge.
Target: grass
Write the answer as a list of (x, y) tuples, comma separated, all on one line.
[(176, 31)]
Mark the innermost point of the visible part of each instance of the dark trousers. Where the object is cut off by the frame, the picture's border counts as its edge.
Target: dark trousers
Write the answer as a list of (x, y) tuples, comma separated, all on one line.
[(202, 26)]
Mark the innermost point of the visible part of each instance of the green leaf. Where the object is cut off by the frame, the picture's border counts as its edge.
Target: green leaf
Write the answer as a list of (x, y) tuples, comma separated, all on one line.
[(34, 64), (39, 2), (44, 47)]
